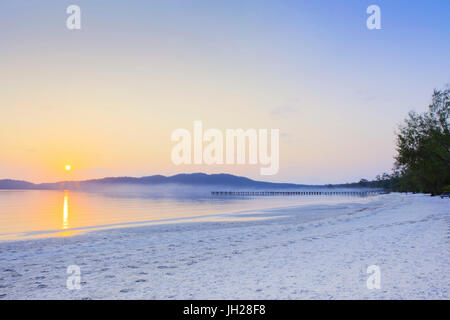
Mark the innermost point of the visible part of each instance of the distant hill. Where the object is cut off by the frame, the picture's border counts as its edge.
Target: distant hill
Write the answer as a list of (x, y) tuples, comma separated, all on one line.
[(192, 179), (16, 184)]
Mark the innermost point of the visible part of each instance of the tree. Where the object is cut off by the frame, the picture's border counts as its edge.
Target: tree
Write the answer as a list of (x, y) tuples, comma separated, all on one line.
[(423, 146)]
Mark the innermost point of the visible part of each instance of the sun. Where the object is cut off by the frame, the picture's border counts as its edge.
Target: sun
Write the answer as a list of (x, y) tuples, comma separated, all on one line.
[(68, 167)]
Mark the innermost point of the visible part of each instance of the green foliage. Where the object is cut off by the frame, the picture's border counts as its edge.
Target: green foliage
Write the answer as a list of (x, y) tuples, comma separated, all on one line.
[(385, 181), (423, 146), (423, 151), (446, 190)]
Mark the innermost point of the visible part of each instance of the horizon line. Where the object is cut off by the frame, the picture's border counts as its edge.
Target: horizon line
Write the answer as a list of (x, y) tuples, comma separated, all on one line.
[(173, 175)]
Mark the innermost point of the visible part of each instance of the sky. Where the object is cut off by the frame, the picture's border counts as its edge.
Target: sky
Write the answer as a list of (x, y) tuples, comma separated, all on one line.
[(106, 98)]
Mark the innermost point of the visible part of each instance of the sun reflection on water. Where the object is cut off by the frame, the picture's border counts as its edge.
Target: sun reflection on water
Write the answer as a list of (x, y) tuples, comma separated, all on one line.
[(66, 210)]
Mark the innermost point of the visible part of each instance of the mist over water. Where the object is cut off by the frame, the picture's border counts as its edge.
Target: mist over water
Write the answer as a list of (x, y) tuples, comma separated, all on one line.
[(48, 213)]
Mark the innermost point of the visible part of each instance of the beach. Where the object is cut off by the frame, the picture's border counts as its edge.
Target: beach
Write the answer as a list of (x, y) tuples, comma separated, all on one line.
[(297, 252)]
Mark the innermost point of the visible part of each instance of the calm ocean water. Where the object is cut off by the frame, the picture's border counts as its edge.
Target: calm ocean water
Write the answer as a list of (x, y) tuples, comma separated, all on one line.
[(36, 213)]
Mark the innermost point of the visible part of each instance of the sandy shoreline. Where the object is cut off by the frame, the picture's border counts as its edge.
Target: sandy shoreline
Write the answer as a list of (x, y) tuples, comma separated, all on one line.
[(313, 252)]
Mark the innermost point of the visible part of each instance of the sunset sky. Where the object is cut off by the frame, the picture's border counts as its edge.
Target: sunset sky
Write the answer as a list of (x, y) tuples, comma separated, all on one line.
[(105, 99)]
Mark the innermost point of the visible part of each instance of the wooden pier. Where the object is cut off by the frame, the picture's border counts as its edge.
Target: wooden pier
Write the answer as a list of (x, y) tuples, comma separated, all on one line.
[(297, 193)]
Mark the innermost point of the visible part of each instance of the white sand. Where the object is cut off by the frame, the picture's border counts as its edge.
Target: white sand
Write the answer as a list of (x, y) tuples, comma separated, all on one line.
[(311, 252)]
